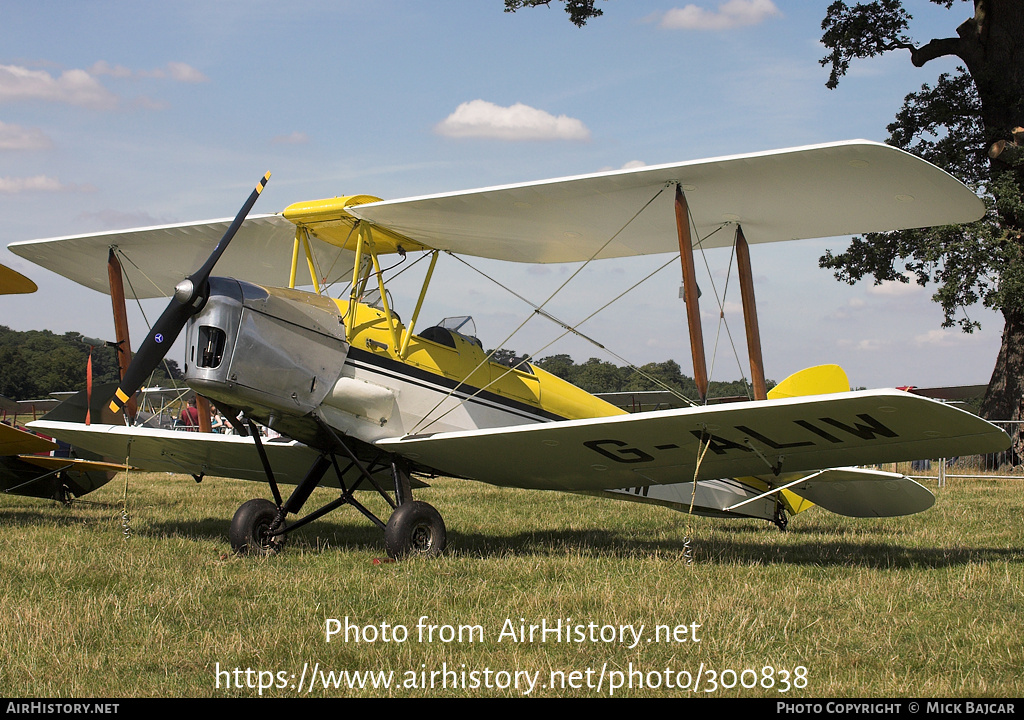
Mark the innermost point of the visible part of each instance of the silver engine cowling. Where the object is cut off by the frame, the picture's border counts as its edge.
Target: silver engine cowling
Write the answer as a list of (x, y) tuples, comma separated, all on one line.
[(272, 353)]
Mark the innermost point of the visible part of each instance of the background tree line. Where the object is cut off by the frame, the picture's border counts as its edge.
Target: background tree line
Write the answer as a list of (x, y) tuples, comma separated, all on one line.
[(34, 363), (598, 376)]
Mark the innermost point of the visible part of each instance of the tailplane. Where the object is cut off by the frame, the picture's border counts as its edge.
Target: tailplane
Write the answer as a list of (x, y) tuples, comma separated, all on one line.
[(817, 380), (852, 492)]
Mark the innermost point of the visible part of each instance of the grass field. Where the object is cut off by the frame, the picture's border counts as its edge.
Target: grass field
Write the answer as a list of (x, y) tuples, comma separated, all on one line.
[(926, 606)]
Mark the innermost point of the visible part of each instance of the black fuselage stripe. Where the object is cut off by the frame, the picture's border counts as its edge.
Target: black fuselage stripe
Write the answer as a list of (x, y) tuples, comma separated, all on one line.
[(438, 383)]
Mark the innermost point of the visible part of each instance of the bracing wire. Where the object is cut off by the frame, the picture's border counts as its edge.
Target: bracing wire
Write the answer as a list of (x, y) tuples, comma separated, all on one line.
[(574, 329), (569, 329), (539, 308), (722, 322), (341, 251), (135, 296), (721, 308), (688, 539), (126, 527)]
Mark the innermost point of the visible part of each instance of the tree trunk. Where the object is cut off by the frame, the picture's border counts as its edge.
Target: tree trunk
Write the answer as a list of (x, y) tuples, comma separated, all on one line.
[(1004, 398), (996, 39)]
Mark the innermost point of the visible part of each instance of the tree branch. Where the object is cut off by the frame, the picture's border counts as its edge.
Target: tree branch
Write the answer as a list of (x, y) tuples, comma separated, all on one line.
[(934, 49)]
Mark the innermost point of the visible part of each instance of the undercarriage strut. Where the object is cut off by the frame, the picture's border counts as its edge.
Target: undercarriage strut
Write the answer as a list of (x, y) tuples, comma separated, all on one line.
[(413, 527)]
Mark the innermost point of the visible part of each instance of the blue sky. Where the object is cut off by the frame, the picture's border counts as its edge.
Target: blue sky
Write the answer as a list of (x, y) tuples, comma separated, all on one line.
[(121, 114)]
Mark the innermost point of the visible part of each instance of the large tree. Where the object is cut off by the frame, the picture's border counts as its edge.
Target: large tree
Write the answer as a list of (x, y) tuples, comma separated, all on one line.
[(967, 122)]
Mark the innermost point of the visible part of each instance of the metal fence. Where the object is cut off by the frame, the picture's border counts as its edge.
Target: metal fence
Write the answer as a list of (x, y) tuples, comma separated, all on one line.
[(1005, 465)]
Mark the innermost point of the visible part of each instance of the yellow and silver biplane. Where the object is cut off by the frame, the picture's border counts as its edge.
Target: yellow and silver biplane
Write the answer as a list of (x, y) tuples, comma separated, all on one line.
[(366, 400)]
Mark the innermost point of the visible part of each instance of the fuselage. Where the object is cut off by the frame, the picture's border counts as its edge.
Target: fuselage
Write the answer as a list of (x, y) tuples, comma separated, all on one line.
[(283, 355)]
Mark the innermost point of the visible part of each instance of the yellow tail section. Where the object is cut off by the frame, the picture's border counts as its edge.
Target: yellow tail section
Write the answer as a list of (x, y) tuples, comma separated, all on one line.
[(818, 380)]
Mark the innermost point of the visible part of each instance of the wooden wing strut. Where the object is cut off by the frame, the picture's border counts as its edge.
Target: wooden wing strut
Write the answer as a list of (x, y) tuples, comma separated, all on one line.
[(700, 370)]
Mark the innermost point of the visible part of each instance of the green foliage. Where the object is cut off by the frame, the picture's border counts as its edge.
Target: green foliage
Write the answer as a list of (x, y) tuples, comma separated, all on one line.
[(950, 125), (943, 125), (579, 11), (601, 376), (506, 357), (865, 30), (35, 363)]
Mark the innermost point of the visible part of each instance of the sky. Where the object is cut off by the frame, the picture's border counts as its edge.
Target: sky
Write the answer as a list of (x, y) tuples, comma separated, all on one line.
[(125, 114)]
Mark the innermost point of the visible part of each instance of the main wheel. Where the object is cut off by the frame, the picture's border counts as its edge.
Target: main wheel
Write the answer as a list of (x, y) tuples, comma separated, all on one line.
[(250, 528), (415, 528)]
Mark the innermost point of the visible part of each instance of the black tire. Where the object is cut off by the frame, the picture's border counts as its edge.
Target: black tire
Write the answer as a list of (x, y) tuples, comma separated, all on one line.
[(415, 528), (249, 528)]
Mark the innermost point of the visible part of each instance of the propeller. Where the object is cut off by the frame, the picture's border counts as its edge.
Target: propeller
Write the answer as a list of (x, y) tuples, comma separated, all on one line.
[(189, 297)]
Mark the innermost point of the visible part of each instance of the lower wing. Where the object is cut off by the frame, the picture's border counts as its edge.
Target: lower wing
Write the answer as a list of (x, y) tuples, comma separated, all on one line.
[(771, 437), (193, 453)]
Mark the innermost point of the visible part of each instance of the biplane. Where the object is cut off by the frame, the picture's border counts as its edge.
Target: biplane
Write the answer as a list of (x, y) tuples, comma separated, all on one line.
[(36, 466), (366, 400)]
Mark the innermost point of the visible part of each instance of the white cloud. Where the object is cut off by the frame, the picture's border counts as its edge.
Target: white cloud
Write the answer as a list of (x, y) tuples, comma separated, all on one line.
[(177, 71), (116, 220), (895, 288), (37, 183), (15, 137), (863, 345), (81, 87), (631, 165), (731, 14), (75, 87), (934, 337), (479, 118), (181, 72), (102, 67), (294, 138), (941, 337)]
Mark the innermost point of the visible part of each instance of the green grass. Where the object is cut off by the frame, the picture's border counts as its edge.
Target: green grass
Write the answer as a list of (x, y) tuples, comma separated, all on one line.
[(924, 606)]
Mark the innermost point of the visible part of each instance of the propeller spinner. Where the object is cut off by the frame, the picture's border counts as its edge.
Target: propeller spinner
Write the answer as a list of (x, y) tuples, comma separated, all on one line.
[(189, 297)]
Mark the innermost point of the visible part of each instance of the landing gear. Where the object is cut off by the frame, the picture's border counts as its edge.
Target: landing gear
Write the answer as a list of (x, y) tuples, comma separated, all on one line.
[(781, 519), (251, 527), (415, 528)]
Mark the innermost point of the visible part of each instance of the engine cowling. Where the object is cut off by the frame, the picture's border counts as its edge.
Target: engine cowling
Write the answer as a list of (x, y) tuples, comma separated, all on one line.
[(271, 352)]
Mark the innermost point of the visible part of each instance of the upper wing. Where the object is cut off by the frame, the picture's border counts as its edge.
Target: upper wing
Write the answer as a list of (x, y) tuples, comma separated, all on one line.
[(815, 191), (739, 439), (184, 452), (13, 282), (157, 258)]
